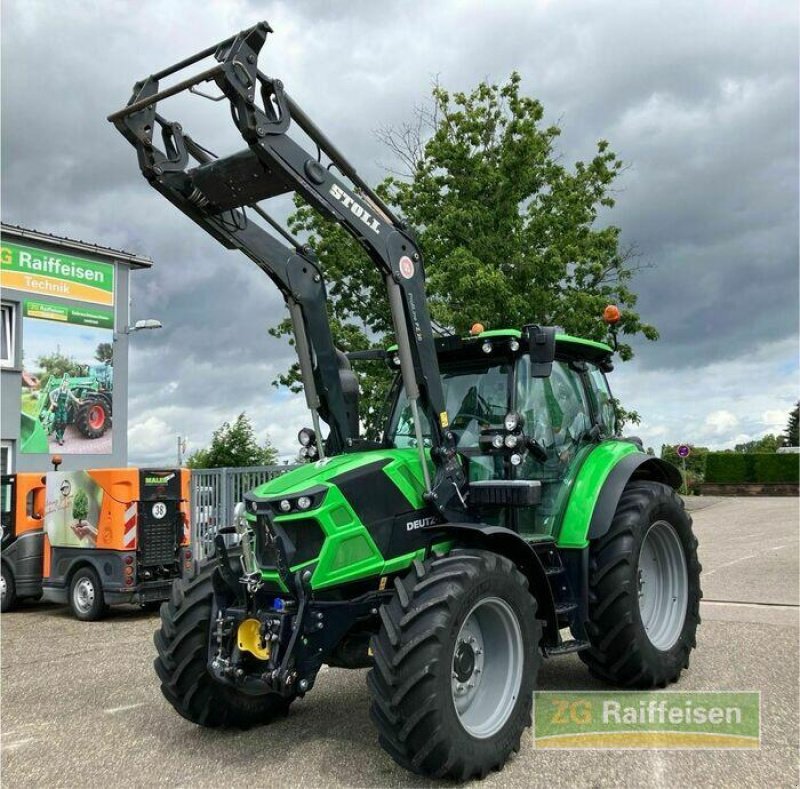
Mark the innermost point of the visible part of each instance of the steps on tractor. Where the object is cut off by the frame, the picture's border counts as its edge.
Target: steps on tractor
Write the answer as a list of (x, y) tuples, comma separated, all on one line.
[(566, 648), (562, 609)]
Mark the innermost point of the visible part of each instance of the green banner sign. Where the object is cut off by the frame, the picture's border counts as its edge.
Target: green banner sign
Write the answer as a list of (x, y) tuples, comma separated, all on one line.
[(79, 316), (656, 719), (54, 274)]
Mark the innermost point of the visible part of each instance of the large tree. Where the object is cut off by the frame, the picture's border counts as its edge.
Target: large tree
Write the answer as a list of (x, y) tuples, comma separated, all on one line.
[(791, 435), (510, 233), (234, 446)]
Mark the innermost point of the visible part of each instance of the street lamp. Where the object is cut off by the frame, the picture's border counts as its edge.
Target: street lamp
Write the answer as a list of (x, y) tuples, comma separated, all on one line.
[(147, 323)]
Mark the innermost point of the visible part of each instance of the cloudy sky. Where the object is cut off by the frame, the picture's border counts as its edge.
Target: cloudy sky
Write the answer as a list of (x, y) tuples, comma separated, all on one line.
[(700, 98)]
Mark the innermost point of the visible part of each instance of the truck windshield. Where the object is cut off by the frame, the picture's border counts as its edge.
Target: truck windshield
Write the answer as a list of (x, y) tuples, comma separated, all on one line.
[(476, 397)]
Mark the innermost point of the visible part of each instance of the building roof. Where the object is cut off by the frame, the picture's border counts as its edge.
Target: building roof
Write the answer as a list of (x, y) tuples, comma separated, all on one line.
[(133, 260)]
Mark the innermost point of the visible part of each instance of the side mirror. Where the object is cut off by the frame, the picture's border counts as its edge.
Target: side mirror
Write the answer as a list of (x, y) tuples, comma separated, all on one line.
[(542, 348)]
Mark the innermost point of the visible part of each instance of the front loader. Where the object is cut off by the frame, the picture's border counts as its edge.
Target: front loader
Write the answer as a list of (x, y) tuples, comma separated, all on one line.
[(499, 521)]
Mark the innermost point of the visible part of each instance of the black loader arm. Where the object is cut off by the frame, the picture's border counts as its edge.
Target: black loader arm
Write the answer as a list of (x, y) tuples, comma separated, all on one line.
[(222, 196)]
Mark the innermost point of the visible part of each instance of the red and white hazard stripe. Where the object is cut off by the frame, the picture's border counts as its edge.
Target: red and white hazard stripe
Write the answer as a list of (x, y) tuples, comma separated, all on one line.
[(187, 529), (129, 535)]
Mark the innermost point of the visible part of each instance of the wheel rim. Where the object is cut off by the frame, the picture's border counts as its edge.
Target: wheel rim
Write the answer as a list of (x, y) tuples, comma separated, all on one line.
[(83, 596), (3, 587), (97, 417), (663, 585), (487, 667)]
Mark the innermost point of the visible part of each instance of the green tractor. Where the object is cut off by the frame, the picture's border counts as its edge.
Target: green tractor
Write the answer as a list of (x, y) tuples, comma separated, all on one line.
[(500, 520), (94, 388)]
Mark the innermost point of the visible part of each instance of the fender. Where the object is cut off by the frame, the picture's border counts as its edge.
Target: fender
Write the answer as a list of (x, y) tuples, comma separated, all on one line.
[(509, 544), (599, 485)]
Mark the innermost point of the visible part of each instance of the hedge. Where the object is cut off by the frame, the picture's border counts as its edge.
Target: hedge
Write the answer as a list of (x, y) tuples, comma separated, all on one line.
[(731, 468)]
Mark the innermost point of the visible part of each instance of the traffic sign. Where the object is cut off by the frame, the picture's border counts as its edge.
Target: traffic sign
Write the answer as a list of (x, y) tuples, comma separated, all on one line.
[(684, 451)]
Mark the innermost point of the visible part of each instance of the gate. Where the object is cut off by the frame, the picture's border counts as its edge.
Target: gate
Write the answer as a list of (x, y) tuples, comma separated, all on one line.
[(214, 494)]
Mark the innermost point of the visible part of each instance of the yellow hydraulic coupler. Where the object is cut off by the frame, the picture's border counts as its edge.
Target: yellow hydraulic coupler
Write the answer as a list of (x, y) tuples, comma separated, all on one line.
[(249, 636)]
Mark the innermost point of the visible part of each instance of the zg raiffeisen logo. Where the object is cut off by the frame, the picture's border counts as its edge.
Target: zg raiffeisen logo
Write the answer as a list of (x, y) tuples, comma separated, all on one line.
[(645, 720)]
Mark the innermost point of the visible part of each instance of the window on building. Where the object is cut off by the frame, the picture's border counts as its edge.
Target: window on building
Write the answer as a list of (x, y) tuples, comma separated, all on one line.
[(5, 459), (7, 336)]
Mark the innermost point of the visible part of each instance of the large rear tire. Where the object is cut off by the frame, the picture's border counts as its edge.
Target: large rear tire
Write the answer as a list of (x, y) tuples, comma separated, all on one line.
[(182, 663), (455, 663), (93, 418), (644, 590)]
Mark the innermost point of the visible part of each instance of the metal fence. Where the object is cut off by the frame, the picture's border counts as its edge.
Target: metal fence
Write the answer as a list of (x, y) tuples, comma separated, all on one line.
[(214, 494)]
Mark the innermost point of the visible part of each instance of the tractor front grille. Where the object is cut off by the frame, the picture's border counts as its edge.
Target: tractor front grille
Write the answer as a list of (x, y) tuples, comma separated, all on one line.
[(158, 543), (302, 539)]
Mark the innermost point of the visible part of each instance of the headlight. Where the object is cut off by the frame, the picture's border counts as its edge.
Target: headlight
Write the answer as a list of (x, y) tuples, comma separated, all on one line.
[(512, 421), (303, 503), (514, 345), (511, 441), (486, 347), (497, 442), (515, 459), (285, 505), (306, 437)]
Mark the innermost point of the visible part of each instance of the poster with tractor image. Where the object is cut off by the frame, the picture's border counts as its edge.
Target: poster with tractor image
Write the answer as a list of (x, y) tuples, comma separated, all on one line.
[(72, 509), (67, 379)]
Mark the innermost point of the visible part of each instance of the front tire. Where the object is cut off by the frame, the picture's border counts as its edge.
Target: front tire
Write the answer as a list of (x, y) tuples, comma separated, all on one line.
[(86, 600), (455, 664), (644, 590), (8, 589), (182, 663)]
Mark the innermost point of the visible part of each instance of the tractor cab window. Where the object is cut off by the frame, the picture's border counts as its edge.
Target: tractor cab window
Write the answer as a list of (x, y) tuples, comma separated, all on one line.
[(555, 413), (602, 402), (476, 397)]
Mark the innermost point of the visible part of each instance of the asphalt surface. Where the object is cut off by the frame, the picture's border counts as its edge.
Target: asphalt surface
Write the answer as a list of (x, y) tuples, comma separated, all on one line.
[(80, 704)]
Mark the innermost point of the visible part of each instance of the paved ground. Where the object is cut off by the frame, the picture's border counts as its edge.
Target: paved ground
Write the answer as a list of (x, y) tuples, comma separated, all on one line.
[(75, 443), (80, 705)]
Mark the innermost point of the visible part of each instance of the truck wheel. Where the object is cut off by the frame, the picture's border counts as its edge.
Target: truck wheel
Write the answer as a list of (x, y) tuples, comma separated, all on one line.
[(455, 663), (9, 594), (644, 590), (86, 600), (182, 663), (93, 418)]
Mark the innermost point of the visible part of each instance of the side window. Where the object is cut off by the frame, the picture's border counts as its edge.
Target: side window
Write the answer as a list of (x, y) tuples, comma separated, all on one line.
[(603, 403)]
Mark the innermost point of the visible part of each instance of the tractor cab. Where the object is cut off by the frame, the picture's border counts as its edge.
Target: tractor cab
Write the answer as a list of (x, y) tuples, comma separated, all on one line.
[(511, 425)]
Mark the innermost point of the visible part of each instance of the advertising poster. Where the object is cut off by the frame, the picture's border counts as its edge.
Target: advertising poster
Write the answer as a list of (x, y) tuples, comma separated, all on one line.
[(72, 509), (67, 379)]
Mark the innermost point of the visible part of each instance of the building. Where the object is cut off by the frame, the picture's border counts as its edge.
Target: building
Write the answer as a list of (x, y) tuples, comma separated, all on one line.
[(65, 330)]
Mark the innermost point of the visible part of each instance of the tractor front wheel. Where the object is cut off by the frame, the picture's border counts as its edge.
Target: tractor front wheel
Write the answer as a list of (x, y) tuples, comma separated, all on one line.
[(644, 590), (182, 663), (455, 663)]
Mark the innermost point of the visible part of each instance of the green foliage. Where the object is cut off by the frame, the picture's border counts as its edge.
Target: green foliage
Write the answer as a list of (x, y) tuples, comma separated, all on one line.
[(777, 468), (758, 468), (80, 505), (509, 232), (791, 437), (767, 443), (234, 446), (104, 353), (55, 365)]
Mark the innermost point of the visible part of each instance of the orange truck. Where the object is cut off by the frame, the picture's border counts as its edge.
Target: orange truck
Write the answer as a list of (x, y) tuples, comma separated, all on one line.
[(94, 538)]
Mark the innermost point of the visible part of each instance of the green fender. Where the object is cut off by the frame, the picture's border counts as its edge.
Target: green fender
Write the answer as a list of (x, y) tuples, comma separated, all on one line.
[(33, 437), (599, 484)]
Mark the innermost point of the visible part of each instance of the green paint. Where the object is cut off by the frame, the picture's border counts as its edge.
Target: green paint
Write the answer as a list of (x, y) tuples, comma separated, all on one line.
[(78, 316), (57, 265), (585, 490)]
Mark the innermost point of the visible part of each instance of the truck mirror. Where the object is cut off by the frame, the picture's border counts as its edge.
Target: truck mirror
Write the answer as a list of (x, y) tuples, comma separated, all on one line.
[(542, 349)]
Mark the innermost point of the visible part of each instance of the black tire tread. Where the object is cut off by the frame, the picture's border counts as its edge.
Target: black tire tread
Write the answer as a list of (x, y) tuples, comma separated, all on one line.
[(181, 663), (618, 654)]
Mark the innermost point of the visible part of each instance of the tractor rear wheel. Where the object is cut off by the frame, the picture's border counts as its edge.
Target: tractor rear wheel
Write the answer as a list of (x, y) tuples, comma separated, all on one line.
[(455, 663), (93, 418), (182, 663), (644, 590)]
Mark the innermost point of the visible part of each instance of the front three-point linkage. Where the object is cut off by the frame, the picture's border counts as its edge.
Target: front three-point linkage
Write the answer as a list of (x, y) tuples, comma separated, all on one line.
[(215, 193)]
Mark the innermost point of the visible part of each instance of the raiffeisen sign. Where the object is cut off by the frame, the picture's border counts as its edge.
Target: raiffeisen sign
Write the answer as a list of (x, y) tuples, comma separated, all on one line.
[(47, 273)]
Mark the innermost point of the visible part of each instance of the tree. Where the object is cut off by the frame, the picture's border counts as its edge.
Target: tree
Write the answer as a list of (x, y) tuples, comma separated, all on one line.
[(695, 463), (234, 446), (104, 353), (510, 234), (767, 444), (56, 364), (790, 435), (80, 506)]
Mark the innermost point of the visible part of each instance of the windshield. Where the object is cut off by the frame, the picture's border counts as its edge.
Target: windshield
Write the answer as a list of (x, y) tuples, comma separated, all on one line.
[(476, 397)]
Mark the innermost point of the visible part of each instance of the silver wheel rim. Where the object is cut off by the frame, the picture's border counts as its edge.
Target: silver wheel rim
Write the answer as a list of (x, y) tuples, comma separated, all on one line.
[(663, 585), (83, 596), (2, 587), (487, 667)]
